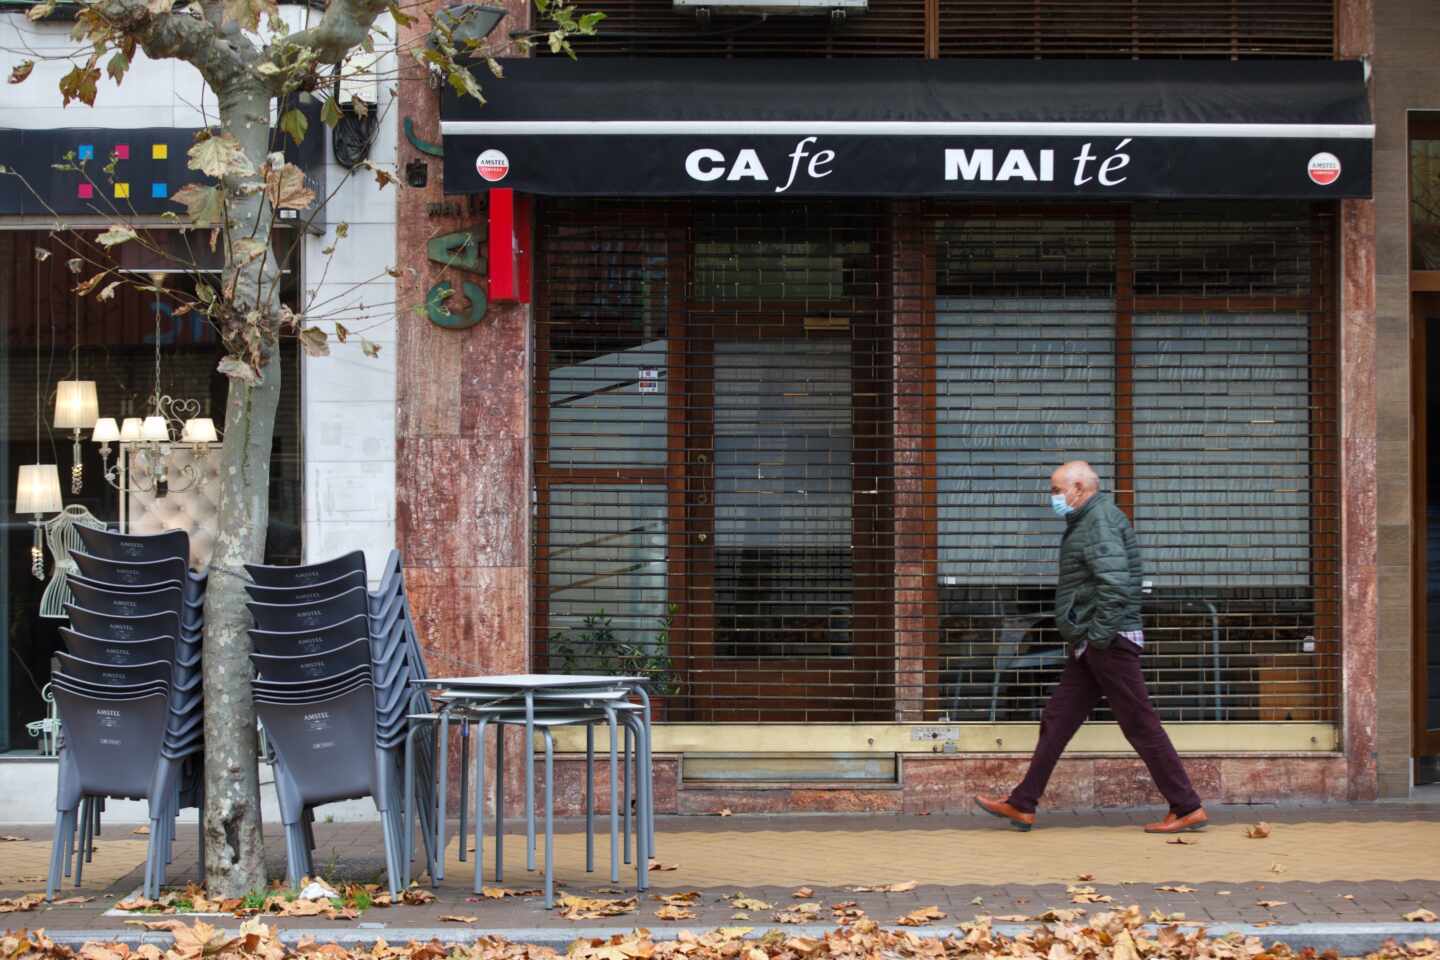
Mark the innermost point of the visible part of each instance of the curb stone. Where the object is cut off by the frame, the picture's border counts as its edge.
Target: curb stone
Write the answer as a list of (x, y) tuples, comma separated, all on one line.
[(1349, 939)]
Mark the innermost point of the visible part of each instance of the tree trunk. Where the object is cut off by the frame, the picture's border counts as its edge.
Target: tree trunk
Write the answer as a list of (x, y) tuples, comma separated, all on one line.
[(234, 854)]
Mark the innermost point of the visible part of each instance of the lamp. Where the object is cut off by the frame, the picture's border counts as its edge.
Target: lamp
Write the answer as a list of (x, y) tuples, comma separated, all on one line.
[(467, 24), (149, 440), (199, 430), (37, 488), (76, 409), (106, 431)]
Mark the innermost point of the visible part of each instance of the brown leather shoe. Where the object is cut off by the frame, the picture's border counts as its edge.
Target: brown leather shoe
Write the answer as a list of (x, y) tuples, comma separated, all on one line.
[(1019, 819), (1195, 820)]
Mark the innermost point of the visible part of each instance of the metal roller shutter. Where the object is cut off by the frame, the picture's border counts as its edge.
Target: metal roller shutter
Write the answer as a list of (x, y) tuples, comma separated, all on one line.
[(795, 456)]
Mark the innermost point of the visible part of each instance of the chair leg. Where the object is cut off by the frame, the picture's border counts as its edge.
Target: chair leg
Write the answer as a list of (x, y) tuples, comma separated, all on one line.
[(589, 798), (441, 794), (57, 853), (627, 774), (549, 819), (529, 746), (614, 803), (499, 803), (479, 882), (464, 786), (407, 808)]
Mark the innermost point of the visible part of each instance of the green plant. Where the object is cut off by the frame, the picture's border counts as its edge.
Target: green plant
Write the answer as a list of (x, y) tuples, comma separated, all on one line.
[(254, 900), (597, 648)]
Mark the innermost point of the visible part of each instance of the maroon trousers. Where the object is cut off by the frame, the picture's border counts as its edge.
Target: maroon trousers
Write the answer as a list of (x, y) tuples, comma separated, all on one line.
[(1112, 673)]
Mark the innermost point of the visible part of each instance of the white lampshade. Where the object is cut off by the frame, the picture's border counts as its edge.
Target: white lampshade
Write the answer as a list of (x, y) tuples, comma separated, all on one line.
[(155, 429), (199, 430), (38, 490), (106, 430), (130, 430), (76, 406)]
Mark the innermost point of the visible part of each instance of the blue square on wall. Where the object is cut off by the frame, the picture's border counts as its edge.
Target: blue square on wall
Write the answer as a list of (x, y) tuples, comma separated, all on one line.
[(159, 190), (86, 151)]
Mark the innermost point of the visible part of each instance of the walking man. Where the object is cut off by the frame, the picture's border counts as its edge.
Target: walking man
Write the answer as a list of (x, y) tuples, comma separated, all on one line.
[(1097, 611)]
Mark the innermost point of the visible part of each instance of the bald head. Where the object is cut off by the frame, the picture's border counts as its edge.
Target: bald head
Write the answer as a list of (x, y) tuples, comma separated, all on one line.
[(1076, 480)]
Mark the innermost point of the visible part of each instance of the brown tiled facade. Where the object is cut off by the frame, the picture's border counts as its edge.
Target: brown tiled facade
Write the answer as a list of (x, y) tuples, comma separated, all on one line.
[(464, 482)]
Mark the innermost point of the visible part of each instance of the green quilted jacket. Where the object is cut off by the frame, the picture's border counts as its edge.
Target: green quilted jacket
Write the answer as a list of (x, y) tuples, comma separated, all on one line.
[(1098, 591)]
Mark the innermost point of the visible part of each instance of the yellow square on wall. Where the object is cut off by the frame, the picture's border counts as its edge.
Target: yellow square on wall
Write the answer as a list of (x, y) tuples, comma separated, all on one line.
[(159, 151), (122, 191)]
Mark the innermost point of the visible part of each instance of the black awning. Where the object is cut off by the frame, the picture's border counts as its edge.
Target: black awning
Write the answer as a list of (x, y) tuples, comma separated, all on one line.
[(914, 128)]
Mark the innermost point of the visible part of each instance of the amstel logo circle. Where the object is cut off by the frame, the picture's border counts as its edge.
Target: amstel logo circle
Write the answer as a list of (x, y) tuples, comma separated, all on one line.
[(493, 165), (1324, 169)]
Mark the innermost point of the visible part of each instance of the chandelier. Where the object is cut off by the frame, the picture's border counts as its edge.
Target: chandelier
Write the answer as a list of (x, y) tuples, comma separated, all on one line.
[(150, 443)]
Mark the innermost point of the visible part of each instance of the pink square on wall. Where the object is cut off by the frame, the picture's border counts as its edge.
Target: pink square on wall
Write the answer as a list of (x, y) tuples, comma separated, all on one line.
[(85, 191), (122, 151)]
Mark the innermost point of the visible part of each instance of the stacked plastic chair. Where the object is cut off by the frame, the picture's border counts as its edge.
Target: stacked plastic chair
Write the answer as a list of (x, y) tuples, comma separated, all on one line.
[(129, 692), (333, 689)]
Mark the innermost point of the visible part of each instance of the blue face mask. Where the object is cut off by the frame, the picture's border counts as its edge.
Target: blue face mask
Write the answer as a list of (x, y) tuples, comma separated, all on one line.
[(1058, 504)]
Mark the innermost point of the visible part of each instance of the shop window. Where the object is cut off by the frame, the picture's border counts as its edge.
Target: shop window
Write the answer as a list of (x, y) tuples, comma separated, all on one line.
[(117, 349)]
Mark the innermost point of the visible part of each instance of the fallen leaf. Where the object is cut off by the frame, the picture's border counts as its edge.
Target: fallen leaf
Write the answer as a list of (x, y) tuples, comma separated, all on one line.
[(1061, 916), (905, 887), (586, 908), (803, 892), (69, 901), (742, 902), (680, 899), (1222, 893), (675, 912), (1421, 916), (1270, 904), (1085, 877), (799, 913), (452, 918), (500, 893), (1277, 868), (1124, 948), (1182, 842), (21, 904), (9, 839), (1012, 918), (657, 865), (977, 901), (919, 918), (1180, 889), (1347, 896), (142, 831), (740, 915), (1259, 831), (725, 812)]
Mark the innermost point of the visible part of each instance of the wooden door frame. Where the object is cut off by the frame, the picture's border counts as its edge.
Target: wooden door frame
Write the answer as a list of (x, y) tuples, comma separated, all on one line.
[(1424, 742)]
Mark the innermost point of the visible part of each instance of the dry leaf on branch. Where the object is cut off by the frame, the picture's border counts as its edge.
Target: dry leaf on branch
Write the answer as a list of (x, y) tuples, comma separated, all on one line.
[(675, 912), (918, 918), (1259, 831), (1421, 916)]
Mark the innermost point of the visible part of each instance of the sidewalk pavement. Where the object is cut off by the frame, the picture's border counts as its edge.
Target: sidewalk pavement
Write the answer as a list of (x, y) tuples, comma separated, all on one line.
[(1370, 863)]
